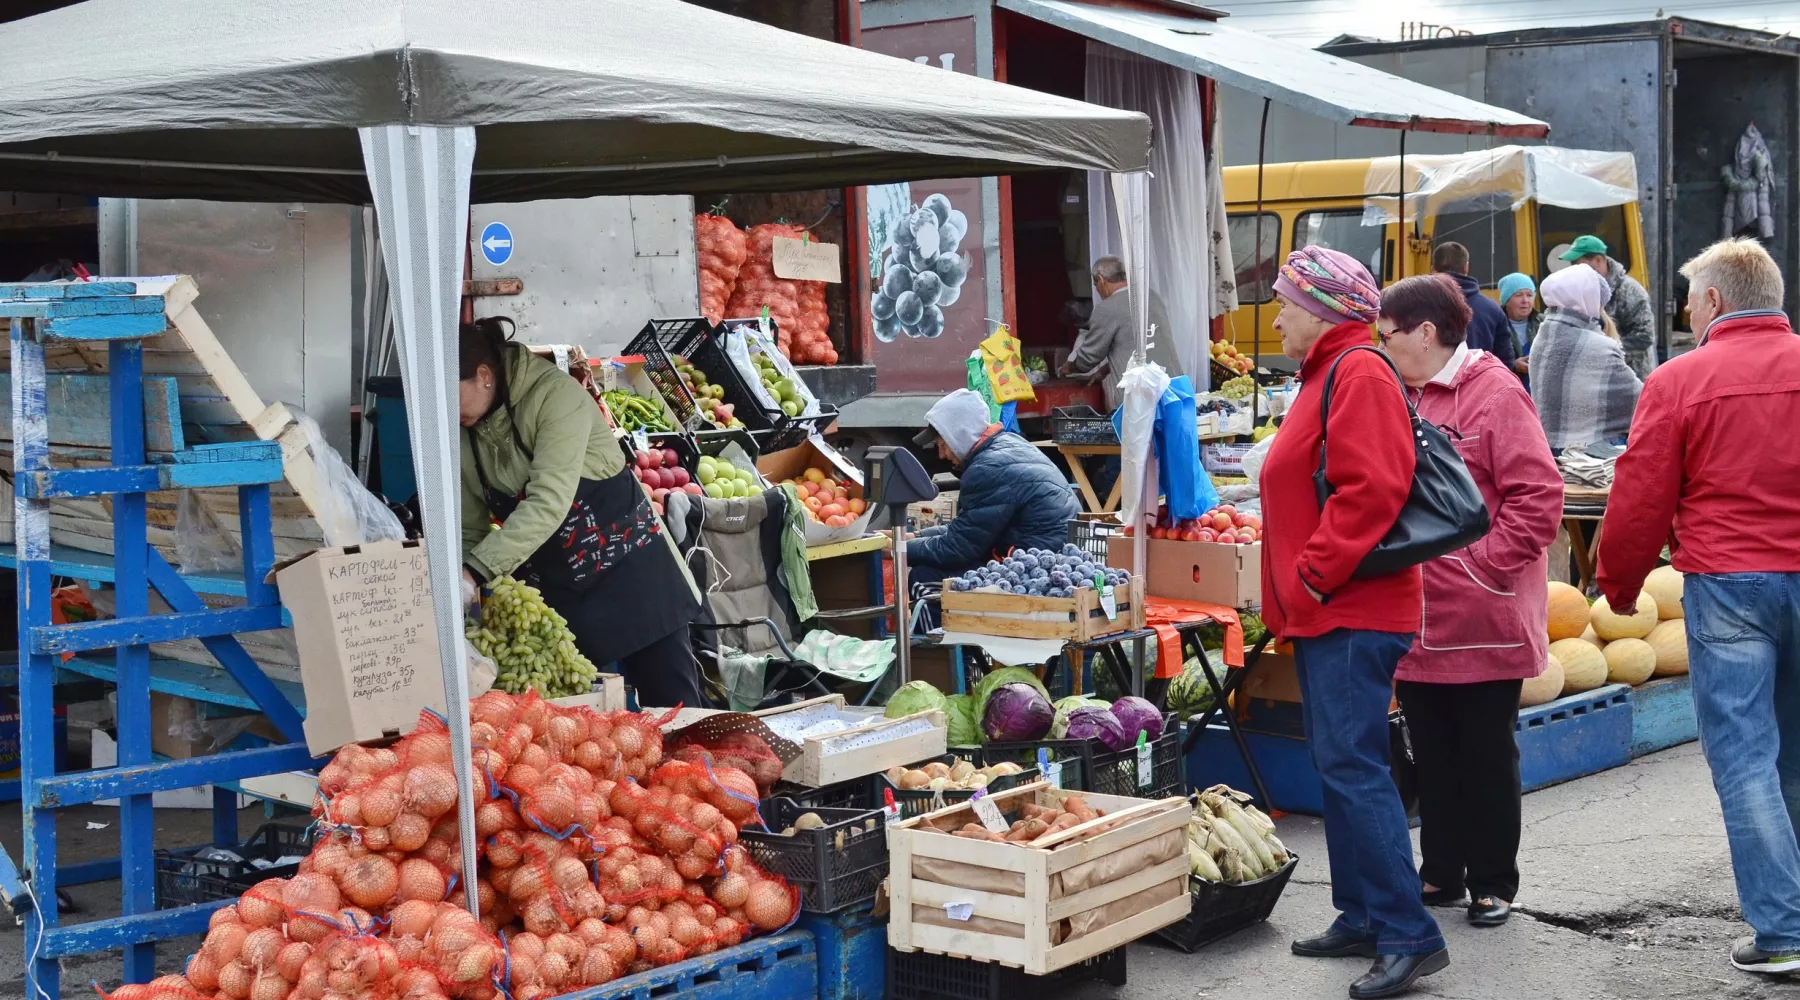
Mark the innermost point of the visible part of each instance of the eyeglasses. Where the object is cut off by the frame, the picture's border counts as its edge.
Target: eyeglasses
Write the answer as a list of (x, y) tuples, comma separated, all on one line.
[(1385, 337)]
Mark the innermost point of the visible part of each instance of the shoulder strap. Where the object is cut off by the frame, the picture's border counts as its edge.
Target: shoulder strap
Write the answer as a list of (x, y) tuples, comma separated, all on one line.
[(1331, 379)]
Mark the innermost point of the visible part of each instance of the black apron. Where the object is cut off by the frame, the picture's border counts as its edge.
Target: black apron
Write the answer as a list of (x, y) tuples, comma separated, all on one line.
[(607, 568)]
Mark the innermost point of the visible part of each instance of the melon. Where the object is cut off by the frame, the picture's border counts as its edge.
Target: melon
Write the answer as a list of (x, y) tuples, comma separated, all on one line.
[(1568, 611), (1589, 636), (1664, 587), (1584, 667), (1669, 641), (1629, 661), (1611, 625), (1546, 686)]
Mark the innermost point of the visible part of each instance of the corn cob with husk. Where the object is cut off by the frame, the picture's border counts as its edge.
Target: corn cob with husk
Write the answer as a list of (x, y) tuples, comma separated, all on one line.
[(1230, 840)]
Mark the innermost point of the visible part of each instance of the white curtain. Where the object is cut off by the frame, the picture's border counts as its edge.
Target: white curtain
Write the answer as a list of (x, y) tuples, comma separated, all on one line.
[(1177, 267), (419, 177)]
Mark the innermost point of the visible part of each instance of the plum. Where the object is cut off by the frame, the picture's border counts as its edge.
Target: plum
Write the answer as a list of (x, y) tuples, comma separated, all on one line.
[(909, 308), (898, 279), (928, 287), (881, 305), (939, 204)]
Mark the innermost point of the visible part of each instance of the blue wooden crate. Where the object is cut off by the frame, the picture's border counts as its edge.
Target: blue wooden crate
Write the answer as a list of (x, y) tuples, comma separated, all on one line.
[(852, 950), (1662, 714), (1575, 736), (782, 967)]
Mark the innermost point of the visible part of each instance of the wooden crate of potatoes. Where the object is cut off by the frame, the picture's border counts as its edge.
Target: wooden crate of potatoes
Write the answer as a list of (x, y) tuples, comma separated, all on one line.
[(1082, 874), (1075, 619)]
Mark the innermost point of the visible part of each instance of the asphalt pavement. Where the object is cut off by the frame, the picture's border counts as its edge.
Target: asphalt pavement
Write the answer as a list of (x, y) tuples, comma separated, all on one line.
[(1627, 894)]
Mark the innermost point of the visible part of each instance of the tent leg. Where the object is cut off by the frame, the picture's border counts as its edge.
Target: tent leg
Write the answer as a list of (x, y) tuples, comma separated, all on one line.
[(419, 176)]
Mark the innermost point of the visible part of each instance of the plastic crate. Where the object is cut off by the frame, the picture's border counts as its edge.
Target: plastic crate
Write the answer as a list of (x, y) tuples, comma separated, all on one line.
[(919, 975), (1221, 908), (184, 880), (657, 343), (1662, 714), (1091, 535), (1575, 736), (1081, 425), (919, 801), (1088, 766), (857, 793), (709, 356), (835, 866)]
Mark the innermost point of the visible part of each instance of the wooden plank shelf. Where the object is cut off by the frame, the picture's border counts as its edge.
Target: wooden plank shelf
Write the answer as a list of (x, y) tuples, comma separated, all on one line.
[(188, 680)]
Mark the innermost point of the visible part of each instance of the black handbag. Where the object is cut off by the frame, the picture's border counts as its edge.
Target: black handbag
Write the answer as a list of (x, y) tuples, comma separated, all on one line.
[(1443, 513)]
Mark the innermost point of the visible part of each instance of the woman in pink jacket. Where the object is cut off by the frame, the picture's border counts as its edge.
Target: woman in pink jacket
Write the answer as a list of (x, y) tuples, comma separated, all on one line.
[(1483, 627)]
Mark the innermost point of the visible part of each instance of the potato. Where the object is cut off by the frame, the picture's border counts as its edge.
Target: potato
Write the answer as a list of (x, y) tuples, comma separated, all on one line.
[(915, 779)]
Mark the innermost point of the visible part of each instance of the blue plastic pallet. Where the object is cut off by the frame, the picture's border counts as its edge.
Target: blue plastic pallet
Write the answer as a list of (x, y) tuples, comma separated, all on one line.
[(1662, 715), (1575, 736), (783, 967), (852, 951)]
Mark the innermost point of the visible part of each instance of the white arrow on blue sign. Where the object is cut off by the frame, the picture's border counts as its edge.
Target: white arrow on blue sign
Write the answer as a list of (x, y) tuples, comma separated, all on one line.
[(496, 243)]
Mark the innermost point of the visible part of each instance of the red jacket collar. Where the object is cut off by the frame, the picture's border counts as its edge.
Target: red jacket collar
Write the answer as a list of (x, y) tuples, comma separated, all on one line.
[(1334, 342), (1757, 324)]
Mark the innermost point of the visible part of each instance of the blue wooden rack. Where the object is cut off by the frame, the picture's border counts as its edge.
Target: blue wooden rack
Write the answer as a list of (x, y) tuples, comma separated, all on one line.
[(116, 314)]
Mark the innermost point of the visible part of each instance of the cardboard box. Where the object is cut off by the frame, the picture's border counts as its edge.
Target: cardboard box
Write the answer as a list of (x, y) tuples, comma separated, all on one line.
[(630, 373), (815, 453), (1274, 678), (930, 513), (180, 727), (1208, 572), (608, 697), (1225, 459), (368, 645)]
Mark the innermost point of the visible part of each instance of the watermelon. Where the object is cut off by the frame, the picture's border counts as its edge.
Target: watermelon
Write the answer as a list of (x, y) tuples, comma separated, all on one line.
[(1189, 694)]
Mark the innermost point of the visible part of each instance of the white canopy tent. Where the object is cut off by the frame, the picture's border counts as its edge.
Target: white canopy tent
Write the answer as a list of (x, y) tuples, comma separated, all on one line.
[(420, 105)]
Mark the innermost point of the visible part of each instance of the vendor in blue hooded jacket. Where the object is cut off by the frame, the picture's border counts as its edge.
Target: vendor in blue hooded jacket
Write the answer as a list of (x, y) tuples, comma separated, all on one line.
[(1012, 496)]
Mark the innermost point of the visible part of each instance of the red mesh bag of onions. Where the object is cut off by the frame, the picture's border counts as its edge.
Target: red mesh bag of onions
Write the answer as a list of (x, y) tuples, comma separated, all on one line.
[(745, 751)]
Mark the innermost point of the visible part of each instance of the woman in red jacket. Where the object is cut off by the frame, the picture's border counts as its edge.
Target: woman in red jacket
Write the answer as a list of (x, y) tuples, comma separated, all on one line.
[(1483, 629), (1348, 633)]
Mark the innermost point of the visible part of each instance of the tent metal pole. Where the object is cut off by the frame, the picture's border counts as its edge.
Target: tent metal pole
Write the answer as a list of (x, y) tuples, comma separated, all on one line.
[(1262, 145)]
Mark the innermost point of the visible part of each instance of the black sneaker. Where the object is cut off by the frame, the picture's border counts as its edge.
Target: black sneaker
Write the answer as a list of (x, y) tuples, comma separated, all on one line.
[(1748, 957)]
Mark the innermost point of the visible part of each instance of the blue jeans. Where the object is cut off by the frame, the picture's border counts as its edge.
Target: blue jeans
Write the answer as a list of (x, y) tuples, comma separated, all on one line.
[(1346, 684), (1743, 634)]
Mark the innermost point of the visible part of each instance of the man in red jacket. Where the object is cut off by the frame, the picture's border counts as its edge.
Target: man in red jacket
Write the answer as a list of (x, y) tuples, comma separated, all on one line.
[(1712, 456), (1348, 633)]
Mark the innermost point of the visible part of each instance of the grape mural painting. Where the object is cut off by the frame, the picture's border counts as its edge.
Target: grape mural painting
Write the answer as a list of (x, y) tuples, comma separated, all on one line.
[(922, 270)]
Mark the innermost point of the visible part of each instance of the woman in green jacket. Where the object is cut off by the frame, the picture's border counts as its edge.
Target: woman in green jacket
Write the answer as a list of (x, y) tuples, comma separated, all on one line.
[(539, 460)]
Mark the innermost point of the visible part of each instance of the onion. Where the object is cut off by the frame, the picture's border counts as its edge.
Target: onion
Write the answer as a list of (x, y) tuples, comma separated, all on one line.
[(564, 732), (597, 967), (727, 931), (375, 838), (261, 906), (380, 804), (346, 809), (474, 963), (551, 804), (536, 758), (630, 740), (692, 866), (227, 914), (503, 851), (523, 778), (427, 747), (409, 832), (742, 805), (203, 972), (261, 947), (569, 873), (312, 981), (493, 709), (430, 790), (667, 952), (269, 986), (588, 755), (620, 945), (553, 969), (224, 944), (587, 902), (524, 969), (482, 733), (420, 879), (371, 882), (235, 980), (687, 932), (705, 816), (770, 906), (291, 959), (542, 917), (485, 896), (731, 891)]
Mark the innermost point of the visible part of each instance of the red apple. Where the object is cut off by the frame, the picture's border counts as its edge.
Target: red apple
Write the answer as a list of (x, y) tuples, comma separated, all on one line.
[(1221, 522), (658, 494), (1206, 535), (1129, 532), (669, 458), (644, 460), (1252, 521), (1157, 532), (1225, 508), (1189, 534), (693, 489), (680, 474)]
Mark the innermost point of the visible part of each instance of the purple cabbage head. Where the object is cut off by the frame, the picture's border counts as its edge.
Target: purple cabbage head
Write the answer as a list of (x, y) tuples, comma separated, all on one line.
[(1135, 716), (1017, 713), (1090, 722)]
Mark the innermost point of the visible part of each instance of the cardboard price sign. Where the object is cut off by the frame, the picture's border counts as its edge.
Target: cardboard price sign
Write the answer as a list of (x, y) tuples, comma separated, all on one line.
[(805, 260)]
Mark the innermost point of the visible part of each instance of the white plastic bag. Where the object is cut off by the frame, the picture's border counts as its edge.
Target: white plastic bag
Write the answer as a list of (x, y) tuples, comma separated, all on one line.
[(743, 341), (1142, 388), (352, 509), (1253, 459), (201, 543)]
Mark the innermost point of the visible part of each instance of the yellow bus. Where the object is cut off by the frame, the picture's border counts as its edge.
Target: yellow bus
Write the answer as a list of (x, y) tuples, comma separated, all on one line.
[(1516, 208)]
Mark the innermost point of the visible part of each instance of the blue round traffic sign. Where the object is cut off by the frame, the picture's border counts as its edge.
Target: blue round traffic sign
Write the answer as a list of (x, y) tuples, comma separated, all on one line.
[(496, 243)]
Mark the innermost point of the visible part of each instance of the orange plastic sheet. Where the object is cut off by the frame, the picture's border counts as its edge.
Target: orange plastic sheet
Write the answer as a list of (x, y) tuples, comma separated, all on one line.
[(1165, 613)]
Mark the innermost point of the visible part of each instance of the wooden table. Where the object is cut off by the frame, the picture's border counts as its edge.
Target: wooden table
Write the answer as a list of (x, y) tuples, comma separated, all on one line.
[(1073, 454), (1583, 504)]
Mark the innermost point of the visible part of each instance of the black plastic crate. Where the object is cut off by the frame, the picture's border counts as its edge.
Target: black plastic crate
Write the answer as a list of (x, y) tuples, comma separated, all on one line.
[(857, 793), (658, 342), (183, 879), (709, 356), (835, 866), (1081, 425), (920, 975), (777, 431), (919, 801), (1090, 535), (1221, 909), (1088, 766)]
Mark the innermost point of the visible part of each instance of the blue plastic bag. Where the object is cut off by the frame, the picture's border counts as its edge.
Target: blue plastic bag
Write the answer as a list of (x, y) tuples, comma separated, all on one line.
[(1184, 484), (1009, 416)]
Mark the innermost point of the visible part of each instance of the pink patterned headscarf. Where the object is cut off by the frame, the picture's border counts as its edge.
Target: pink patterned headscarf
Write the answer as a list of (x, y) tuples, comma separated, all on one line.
[(1331, 285)]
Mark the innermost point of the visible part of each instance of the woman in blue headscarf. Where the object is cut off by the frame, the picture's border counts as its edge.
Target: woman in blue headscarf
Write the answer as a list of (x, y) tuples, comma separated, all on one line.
[(1518, 299)]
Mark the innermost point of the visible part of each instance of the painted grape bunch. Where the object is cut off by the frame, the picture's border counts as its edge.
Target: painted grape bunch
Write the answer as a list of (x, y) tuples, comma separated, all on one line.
[(924, 272)]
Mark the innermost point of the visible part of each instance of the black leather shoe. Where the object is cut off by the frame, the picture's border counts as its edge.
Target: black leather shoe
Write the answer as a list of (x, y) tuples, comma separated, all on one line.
[(1334, 944), (1441, 897), (1392, 975), (1489, 911)]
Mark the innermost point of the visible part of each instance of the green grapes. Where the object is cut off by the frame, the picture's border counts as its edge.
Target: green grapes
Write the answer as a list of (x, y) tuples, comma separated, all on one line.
[(1238, 388), (529, 642)]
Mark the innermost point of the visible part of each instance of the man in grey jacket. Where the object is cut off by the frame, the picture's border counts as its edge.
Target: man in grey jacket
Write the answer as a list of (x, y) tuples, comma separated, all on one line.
[(1110, 336), (1629, 306)]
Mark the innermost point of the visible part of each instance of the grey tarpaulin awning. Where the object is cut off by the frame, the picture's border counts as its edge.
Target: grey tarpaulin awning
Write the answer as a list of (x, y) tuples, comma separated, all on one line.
[(1336, 89), (421, 106), (260, 101)]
